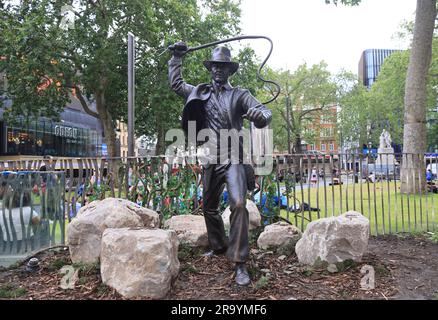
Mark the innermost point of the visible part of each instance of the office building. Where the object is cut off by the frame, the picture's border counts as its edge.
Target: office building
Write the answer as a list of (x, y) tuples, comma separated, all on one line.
[(77, 134), (370, 63)]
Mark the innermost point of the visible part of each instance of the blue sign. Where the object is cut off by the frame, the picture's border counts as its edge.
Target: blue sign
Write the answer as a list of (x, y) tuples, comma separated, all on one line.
[(369, 151)]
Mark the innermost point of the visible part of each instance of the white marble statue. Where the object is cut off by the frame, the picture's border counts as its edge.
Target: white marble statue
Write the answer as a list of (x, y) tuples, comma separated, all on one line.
[(385, 140)]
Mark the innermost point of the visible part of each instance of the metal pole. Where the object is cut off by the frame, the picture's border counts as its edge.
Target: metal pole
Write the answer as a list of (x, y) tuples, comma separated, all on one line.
[(131, 93), (288, 125), (131, 96)]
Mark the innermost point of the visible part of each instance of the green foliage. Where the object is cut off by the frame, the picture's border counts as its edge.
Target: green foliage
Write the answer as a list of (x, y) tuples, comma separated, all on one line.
[(382, 271), (312, 92), (186, 252), (190, 269), (434, 237), (103, 289), (308, 271), (8, 291), (86, 269), (270, 210), (255, 234), (262, 282), (92, 56), (364, 113), (57, 264), (346, 265)]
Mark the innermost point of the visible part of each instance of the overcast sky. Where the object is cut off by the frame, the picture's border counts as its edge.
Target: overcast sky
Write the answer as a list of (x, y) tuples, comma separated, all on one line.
[(311, 31)]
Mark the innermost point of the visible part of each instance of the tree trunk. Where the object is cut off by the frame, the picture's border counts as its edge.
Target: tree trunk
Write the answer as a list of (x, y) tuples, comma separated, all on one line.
[(297, 144), (110, 140), (108, 126), (160, 147), (414, 135)]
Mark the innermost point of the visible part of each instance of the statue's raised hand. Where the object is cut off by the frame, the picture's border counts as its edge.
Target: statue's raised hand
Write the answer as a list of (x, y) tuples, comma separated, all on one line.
[(178, 49)]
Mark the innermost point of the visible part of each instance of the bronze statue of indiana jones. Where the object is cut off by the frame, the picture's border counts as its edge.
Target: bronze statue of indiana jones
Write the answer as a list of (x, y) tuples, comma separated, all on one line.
[(217, 106)]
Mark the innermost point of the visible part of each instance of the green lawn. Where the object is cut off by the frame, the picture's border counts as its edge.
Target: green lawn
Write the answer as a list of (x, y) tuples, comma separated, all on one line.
[(381, 202)]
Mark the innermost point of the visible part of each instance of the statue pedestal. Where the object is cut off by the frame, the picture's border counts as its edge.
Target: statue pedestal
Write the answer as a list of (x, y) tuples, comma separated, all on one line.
[(385, 156)]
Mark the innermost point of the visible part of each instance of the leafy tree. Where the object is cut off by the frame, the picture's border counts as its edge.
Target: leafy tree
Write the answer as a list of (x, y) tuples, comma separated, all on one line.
[(91, 58), (311, 92), (415, 99), (354, 116)]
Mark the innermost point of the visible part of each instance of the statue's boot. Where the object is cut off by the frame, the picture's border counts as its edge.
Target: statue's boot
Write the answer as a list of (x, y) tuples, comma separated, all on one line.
[(242, 275)]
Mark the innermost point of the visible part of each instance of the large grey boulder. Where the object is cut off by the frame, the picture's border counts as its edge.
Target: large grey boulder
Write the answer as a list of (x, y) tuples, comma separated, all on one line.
[(334, 239), (254, 215), (191, 229), (84, 232), (139, 263), (279, 235)]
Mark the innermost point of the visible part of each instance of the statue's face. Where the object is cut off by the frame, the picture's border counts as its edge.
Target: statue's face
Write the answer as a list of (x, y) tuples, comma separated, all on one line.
[(220, 72)]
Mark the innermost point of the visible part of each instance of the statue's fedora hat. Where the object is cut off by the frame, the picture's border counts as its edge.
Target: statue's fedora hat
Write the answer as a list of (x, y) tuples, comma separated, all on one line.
[(222, 55)]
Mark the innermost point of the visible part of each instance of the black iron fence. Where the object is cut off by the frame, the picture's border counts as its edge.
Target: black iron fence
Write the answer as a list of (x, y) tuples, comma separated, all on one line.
[(300, 189)]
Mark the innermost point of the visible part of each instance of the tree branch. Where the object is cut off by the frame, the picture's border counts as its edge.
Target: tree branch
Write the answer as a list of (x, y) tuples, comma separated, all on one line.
[(84, 103)]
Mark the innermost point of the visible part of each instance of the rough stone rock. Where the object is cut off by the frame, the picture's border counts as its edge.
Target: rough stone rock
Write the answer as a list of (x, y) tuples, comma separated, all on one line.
[(254, 215), (278, 235), (84, 232), (191, 229), (334, 239), (139, 262)]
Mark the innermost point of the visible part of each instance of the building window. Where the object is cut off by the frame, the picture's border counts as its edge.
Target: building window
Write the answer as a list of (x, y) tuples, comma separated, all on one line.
[(332, 147), (323, 147)]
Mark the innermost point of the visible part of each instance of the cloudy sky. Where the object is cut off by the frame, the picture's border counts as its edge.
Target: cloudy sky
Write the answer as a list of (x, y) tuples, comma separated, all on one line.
[(311, 31)]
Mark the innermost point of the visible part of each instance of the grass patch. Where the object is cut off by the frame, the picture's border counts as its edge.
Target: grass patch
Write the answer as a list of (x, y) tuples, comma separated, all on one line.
[(307, 272), (10, 292), (346, 265), (86, 269), (57, 264), (381, 271), (381, 202), (186, 252)]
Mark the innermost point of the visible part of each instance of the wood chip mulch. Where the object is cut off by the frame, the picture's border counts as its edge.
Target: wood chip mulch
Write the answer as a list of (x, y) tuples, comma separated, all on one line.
[(275, 276)]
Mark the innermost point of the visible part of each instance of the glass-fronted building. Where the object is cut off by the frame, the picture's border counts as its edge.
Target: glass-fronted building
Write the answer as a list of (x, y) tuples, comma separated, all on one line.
[(77, 134), (370, 63)]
